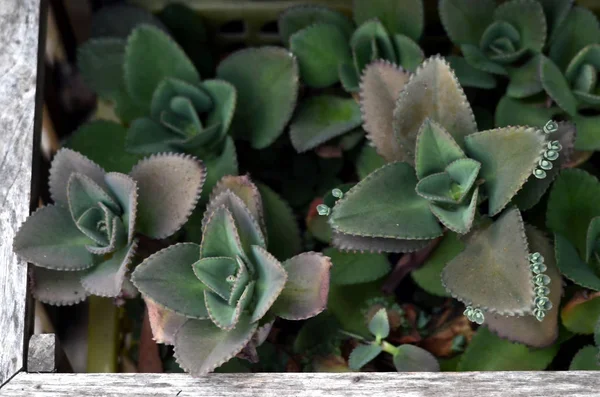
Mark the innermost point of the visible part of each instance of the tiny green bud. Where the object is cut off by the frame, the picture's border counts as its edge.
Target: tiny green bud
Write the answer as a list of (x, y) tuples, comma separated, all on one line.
[(545, 164), (337, 193), (555, 145), (322, 209), (543, 303), (540, 174), (478, 316), (538, 268), (550, 127), (539, 314), (535, 256), (542, 290), (551, 155), (230, 279), (542, 279)]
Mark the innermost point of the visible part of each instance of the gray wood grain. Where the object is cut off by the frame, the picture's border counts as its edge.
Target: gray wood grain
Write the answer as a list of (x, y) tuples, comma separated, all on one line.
[(46, 355), (19, 23), (465, 384)]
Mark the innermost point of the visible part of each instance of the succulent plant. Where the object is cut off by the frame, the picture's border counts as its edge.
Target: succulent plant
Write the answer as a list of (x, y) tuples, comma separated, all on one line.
[(219, 299), (442, 170), (83, 244)]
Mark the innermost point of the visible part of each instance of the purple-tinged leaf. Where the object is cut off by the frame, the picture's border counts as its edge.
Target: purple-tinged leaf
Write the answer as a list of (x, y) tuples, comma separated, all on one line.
[(164, 322)]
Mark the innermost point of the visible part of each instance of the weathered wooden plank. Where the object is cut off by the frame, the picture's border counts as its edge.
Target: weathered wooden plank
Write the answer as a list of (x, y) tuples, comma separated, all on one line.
[(46, 355), (19, 24), (464, 384)]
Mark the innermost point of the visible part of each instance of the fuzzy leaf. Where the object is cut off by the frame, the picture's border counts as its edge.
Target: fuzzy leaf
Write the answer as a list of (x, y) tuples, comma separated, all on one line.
[(305, 292), (84, 193), (469, 76), (167, 277), (403, 17), (319, 49), (415, 359), (57, 287), (220, 236), (355, 268), (321, 118), (266, 80), (49, 238), (479, 60), (432, 92), (299, 17), (150, 57), (201, 346), (146, 136), (526, 81), (586, 359), (379, 325), (527, 329), (556, 85), (459, 218), (362, 355), (510, 112), (571, 266), (466, 20), (106, 278), (169, 186), (104, 143), (435, 149), (487, 352), (163, 322), (385, 205), (351, 242), (270, 281), (66, 162), (571, 207), (246, 190), (429, 276), (579, 29), (282, 228), (380, 86), (368, 161), (125, 190), (436, 187), (508, 157), (527, 16), (493, 270), (213, 273), (581, 314), (221, 313)]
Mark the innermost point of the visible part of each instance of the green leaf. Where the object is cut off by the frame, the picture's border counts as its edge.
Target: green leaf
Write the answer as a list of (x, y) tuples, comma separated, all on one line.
[(213, 272), (586, 359), (49, 238), (593, 234), (436, 187), (432, 92), (581, 318), (508, 157), (355, 268), (429, 276), (380, 85), (57, 287), (316, 333), (106, 278), (527, 329), (150, 57), (469, 76), (169, 187), (368, 161), (379, 325), (511, 112), (224, 315), (402, 17), (385, 205), (369, 42), (163, 322), (167, 277), (305, 292), (321, 118), (220, 236), (266, 80), (556, 85), (346, 303), (487, 352), (362, 355), (299, 17), (84, 193), (458, 218), (411, 358), (146, 136), (466, 20), (587, 132), (479, 60), (349, 77), (319, 49), (526, 81), (101, 64), (103, 142), (571, 207), (409, 54), (119, 20), (556, 12), (201, 346), (125, 190), (572, 267), (283, 231), (376, 244), (493, 271), (271, 278), (527, 16), (435, 149), (579, 29)]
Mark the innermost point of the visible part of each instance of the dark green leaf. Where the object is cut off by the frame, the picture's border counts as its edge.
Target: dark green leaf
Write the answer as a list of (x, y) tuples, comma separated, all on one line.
[(515, 112), (579, 29), (271, 278), (119, 20), (379, 325), (469, 76), (415, 359), (402, 17), (435, 149), (586, 359), (368, 161), (466, 20), (581, 317), (355, 268), (297, 18), (528, 18), (362, 355), (526, 80), (556, 85), (572, 266)]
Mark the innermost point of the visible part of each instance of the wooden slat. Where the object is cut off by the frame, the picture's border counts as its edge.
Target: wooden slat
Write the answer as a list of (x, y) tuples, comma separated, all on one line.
[(465, 384), (19, 24)]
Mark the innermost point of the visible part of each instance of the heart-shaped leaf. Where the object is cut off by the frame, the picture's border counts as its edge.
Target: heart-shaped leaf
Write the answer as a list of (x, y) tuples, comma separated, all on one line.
[(299, 17), (466, 20), (362, 355), (271, 279), (169, 187), (527, 329), (321, 118), (167, 277), (57, 288), (106, 278), (380, 85), (385, 205), (435, 149), (201, 346), (379, 325), (266, 80), (493, 273), (163, 322), (508, 157), (356, 268), (305, 292), (411, 358), (432, 92)]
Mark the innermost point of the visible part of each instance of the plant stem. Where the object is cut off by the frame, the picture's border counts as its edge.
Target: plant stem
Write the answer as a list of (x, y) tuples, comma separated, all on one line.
[(103, 335), (350, 334), (389, 348)]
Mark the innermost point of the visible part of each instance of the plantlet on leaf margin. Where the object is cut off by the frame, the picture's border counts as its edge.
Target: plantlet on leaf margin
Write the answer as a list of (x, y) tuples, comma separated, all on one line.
[(219, 299)]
